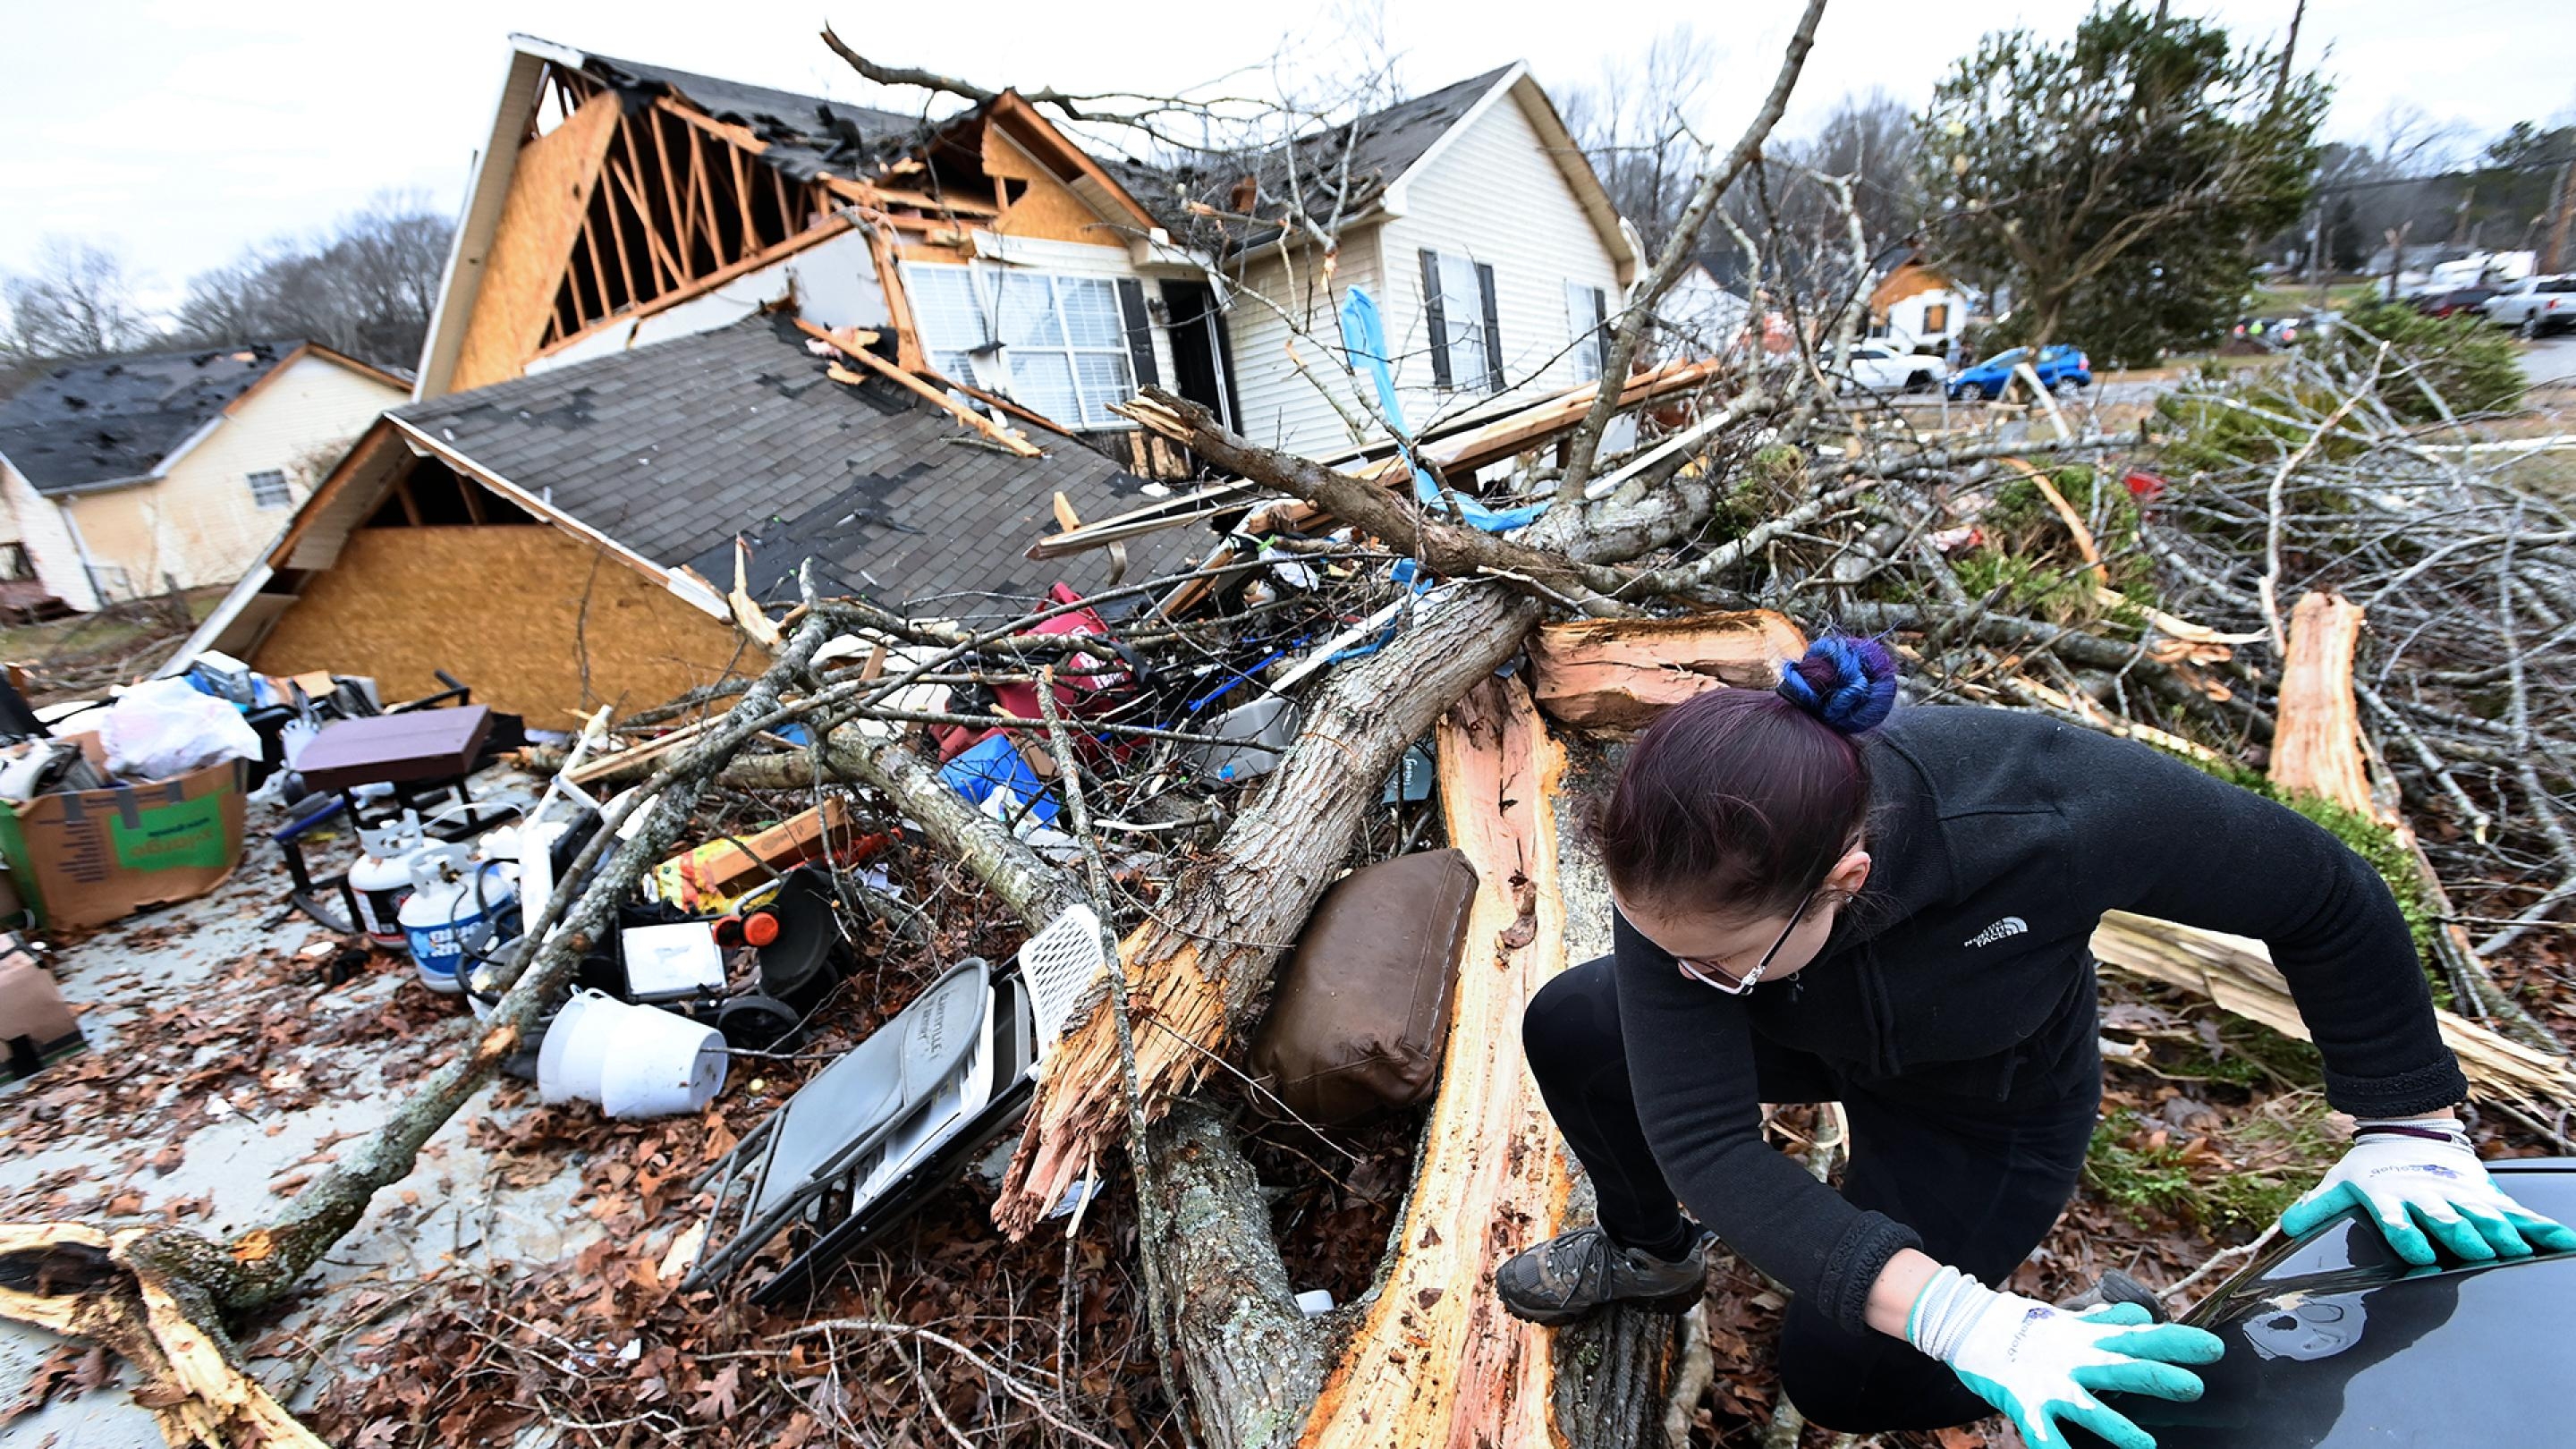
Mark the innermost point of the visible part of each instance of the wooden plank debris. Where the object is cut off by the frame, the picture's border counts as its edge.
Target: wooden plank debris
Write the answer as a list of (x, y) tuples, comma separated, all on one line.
[(1436, 1360), (1008, 438), (1618, 674)]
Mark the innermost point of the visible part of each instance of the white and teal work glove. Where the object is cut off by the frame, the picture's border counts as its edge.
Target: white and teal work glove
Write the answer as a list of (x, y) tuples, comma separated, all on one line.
[(2417, 1176), (2041, 1366)]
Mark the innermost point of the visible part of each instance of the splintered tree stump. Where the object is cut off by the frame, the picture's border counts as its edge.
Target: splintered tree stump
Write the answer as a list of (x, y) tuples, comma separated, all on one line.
[(1618, 674), (1436, 1360), (2316, 737), (1199, 969)]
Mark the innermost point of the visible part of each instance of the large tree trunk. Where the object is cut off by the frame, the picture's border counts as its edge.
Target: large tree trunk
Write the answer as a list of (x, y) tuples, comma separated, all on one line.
[(1201, 966)]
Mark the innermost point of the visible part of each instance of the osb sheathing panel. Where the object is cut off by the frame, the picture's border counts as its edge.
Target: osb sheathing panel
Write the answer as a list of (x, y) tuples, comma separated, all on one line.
[(1048, 209), (549, 195), (502, 609)]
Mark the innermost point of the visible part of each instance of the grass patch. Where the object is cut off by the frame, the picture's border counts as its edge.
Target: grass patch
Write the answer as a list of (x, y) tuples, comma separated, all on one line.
[(2241, 1176)]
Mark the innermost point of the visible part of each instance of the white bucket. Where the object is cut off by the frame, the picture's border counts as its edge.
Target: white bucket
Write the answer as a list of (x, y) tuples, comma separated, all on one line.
[(660, 1063), (576, 1047)]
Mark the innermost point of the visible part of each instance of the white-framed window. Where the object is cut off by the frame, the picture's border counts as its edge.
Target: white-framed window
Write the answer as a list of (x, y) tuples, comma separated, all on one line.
[(1063, 346), (268, 489), (1458, 317), (1587, 327)]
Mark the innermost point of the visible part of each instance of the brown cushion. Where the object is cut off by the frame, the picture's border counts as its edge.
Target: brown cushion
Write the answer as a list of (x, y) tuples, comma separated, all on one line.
[(1362, 1007)]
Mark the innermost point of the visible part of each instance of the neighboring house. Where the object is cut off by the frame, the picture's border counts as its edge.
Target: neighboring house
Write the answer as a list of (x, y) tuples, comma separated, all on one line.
[(569, 538), (1473, 220), (620, 203), (1699, 317), (131, 475), (1916, 305)]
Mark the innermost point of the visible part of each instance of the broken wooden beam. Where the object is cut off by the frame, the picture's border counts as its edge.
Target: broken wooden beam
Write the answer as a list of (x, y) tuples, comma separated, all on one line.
[(1618, 674), (1436, 1359), (1005, 437), (2237, 974)]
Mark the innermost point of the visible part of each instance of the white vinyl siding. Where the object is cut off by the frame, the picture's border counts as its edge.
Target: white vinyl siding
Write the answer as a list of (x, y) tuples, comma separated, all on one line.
[(1494, 195), (1282, 407), (1063, 345), (1587, 311)]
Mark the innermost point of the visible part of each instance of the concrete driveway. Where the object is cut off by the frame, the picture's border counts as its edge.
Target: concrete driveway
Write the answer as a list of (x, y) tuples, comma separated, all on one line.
[(2550, 360)]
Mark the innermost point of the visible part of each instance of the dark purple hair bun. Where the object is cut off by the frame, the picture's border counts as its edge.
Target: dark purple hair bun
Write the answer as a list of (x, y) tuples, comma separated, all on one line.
[(1848, 683)]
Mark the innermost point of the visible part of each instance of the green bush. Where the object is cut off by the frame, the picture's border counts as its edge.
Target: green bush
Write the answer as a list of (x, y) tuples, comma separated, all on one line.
[(2470, 362)]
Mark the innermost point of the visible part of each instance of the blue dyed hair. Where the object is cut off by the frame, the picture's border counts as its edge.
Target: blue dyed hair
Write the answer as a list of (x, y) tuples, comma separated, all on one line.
[(1848, 683), (1739, 801)]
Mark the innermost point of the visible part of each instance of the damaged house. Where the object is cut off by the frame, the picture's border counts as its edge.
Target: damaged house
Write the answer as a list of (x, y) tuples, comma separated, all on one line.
[(683, 311), (130, 476)]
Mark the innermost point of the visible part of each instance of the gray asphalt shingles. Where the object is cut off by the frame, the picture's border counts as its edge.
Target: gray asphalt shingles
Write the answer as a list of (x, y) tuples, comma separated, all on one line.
[(675, 448), (82, 424)]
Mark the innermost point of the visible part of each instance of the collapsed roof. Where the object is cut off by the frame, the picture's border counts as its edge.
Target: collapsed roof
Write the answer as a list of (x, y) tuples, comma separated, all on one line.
[(674, 449), (807, 136), (87, 425)]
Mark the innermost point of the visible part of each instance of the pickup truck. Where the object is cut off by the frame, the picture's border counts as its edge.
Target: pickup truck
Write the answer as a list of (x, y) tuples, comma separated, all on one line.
[(2535, 306)]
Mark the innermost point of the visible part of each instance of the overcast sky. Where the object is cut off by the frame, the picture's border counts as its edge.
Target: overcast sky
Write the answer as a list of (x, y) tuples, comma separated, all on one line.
[(181, 131)]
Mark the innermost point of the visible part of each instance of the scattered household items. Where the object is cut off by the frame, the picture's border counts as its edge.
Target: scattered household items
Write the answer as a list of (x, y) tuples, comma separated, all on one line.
[(903, 1113), (1362, 1005), (42, 766), (633, 1060), (996, 776), (85, 857), (164, 727), (36, 1028), (417, 752), (713, 876)]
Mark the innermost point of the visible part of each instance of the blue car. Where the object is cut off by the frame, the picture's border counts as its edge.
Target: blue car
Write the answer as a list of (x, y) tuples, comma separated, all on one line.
[(2059, 368)]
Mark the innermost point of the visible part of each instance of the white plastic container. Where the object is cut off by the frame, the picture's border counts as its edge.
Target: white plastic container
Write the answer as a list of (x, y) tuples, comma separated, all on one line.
[(570, 1057), (659, 1064)]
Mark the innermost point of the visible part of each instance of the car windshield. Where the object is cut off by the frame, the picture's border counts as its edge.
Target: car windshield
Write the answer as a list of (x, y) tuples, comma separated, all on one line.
[(2559, 284), (2006, 359)]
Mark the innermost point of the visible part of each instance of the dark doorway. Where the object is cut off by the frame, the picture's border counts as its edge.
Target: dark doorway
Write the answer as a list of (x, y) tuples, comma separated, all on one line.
[(1202, 354)]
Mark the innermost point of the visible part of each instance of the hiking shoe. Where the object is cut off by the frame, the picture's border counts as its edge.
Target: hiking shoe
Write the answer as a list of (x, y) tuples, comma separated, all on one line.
[(2115, 1286), (1574, 1273)]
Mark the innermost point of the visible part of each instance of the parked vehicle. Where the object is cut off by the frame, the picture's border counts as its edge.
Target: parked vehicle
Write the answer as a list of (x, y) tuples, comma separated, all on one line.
[(2060, 368), (1879, 367), (2453, 302), (2333, 1342), (2535, 307)]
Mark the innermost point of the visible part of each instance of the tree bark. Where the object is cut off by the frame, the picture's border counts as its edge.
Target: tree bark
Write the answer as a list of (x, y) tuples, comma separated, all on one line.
[(1202, 964)]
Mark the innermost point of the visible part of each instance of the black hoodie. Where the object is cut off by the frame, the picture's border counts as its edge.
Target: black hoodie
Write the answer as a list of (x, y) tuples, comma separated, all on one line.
[(1961, 972)]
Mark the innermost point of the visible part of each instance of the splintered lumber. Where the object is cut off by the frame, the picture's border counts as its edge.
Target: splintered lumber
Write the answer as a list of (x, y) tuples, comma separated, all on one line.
[(1618, 674), (1005, 437), (2316, 736), (1436, 1360), (2237, 974), (1200, 967)]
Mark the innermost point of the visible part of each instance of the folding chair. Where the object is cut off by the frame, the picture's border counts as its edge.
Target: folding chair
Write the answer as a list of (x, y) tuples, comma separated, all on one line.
[(902, 1115)]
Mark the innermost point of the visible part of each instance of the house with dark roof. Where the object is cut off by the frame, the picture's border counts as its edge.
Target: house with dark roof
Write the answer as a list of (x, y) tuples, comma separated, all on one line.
[(127, 476), (1474, 222), (573, 537)]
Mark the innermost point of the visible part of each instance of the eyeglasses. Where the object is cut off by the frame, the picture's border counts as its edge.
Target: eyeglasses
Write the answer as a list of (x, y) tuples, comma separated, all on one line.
[(1709, 973)]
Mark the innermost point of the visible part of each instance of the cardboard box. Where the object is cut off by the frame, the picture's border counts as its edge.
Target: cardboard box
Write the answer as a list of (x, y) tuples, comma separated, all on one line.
[(36, 1028), (88, 857)]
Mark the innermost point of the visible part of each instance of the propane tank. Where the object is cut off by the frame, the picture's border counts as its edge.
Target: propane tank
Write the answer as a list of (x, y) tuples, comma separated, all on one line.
[(454, 904), (381, 880)]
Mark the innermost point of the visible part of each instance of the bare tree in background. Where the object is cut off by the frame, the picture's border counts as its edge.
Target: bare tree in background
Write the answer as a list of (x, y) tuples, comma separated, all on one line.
[(364, 288), (1635, 125), (78, 302)]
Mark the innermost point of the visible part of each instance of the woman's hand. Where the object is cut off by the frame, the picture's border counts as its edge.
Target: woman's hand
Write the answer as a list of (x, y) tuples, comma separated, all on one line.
[(2042, 1366), (2422, 1184)]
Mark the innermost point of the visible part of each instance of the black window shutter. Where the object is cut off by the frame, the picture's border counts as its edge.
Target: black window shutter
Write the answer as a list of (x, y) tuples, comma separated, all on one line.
[(1600, 330), (1140, 331), (1493, 330), (1435, 317)]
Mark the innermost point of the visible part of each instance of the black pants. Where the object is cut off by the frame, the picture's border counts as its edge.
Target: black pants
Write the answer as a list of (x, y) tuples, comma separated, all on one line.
[(1982, 1190)]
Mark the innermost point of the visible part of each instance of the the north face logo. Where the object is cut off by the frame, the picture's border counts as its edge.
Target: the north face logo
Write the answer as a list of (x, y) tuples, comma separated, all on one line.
[(2008, 926)]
